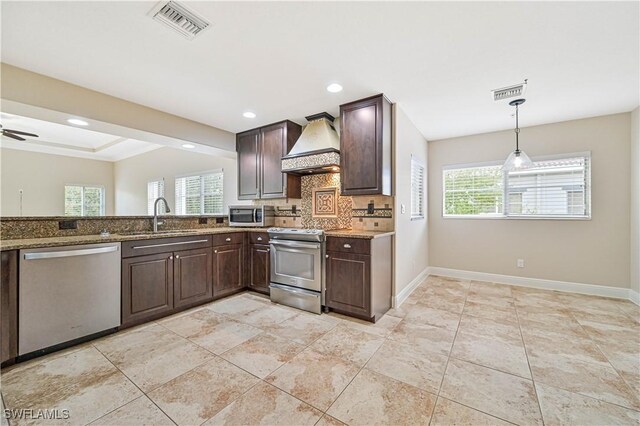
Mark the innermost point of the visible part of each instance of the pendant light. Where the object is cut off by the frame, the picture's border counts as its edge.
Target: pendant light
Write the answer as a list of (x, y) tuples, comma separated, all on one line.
[(517, 160)]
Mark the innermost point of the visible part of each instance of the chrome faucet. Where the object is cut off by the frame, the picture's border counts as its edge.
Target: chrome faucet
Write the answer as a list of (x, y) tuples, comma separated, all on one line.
[(155, 213)]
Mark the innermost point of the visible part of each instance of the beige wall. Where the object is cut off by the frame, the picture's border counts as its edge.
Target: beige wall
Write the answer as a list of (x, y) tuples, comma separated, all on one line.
[(42, 177), (592, 251), (412, 242), (132, 175), (635, 200), (37, 90)]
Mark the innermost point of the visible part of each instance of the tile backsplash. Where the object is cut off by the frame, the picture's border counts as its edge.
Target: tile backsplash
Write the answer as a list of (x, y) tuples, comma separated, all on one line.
[(351, 211)]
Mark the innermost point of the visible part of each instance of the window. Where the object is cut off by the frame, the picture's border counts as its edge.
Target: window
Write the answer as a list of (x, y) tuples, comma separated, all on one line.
[(155, 190), (80, 200), (557, 187), (199, 194), (417, 189), (473, 191)]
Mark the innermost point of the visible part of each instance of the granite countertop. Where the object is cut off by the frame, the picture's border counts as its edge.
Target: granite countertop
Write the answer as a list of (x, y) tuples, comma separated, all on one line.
[(27, 243)]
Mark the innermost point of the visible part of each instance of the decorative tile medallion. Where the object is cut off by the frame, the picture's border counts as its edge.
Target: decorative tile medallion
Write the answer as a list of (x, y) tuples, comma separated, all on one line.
[(324, 202)]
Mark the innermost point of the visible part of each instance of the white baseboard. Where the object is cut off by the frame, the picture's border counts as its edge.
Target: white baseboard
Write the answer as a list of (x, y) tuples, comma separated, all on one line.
[(406, 292), (591, 289)]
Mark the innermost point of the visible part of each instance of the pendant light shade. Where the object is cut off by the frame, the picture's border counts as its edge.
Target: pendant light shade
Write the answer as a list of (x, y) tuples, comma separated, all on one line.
[(517, 160)]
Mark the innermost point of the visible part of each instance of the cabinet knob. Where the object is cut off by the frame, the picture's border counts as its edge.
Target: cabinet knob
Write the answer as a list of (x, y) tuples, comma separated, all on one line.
[(215, 251), (259, 238), (326, 255), (228, 239), (347, 246), (268, 250), (177, 256), (170, 257)]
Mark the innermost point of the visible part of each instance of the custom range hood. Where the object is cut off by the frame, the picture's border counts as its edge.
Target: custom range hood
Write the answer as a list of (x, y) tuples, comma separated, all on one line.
[(317, 149)]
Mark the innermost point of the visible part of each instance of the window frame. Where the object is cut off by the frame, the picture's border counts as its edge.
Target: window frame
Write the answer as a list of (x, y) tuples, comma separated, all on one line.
[(423, 200), (163, 192), (505, 180), (103, 206), (202, 194)]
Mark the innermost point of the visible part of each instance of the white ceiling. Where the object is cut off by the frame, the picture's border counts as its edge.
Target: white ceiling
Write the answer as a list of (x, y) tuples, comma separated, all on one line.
[(438, 60), (59, 139)]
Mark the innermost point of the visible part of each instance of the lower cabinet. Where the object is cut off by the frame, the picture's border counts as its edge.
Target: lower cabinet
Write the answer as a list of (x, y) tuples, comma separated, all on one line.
[(192, 277), (9, 306), (260, 268), (349, 283), (162, 276), (359, 276), (147, 287), (228, 263)]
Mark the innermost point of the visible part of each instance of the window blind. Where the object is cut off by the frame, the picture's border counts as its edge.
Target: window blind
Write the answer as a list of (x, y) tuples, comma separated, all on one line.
[(417, 189), (473, 191), (553, 187), (82, 200), (200, 194), (155, 190), (556, 187)]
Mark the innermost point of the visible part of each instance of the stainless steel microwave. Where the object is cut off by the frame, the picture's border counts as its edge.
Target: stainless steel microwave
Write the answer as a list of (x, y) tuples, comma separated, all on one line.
[(251, 215)]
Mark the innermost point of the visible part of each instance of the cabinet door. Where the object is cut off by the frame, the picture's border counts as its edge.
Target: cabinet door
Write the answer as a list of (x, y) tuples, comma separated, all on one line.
[(248, 165), (192, 277), (9, 305), (227, 269), (272, 149), (349, 283), (147, 287), (259, 268), (361, 147)]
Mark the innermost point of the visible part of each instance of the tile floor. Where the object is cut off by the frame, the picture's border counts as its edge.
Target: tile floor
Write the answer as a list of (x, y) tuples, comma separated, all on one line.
[(456, 352)]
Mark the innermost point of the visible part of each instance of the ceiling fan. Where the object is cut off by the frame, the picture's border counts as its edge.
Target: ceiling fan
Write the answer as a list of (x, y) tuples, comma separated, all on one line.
[(16, 134)]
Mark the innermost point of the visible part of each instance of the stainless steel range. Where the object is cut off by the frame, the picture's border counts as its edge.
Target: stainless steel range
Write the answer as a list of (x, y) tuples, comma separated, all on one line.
[(298, 267)]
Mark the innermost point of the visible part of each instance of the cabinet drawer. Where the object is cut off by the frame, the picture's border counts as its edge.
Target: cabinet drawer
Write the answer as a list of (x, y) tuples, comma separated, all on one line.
[(258, 238), (164, 245), (227, 239), (349, 245)]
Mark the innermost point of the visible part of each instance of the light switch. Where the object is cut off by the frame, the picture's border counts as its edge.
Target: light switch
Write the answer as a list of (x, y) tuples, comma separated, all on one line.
[(403, 209)]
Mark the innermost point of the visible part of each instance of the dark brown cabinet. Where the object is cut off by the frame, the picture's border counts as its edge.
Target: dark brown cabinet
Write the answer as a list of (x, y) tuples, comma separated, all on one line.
[(147, 287), (9, 306), (348, 283), (248, 160), (259, 275), (164, 275), (359, 276), (365, 147), (227, 270), (260, 153), (192, 275)]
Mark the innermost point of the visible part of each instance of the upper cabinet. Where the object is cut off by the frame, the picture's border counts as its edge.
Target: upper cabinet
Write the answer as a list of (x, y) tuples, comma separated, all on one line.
[(260, 153), (365, 147)]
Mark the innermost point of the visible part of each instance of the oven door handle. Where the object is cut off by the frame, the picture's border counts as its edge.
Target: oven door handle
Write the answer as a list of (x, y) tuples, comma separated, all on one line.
[(295, 244), (255, 215)]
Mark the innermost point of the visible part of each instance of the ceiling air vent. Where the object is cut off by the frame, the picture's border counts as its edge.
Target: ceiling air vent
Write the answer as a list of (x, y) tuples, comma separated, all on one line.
[(515, 91), (179, 18)]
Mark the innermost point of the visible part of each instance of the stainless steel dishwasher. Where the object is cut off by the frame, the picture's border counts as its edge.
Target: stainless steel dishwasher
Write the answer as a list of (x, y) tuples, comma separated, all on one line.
[(67, 293)]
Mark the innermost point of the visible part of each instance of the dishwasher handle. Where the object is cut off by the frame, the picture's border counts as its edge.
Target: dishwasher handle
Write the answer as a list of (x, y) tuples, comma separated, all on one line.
[(69, 253)]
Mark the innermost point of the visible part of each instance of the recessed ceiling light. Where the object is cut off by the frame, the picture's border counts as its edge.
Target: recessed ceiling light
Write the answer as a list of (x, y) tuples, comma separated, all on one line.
[(77, 122), (249, 114), (188, 145), (334, 88)]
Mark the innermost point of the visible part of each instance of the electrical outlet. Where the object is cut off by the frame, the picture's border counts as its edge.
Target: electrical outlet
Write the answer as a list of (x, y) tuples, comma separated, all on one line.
[(520, 263), (403, 209)]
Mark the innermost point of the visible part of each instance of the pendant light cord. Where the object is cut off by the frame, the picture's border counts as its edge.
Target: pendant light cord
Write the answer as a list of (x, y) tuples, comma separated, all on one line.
[(517, 130)]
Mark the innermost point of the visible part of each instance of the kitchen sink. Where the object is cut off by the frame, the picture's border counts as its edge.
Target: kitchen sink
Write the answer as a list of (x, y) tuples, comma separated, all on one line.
[(167, 232)]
